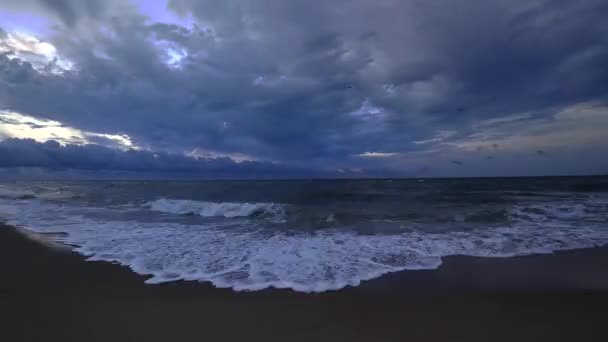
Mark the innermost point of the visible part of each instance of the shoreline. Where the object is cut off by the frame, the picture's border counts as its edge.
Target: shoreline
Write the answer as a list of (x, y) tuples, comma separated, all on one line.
[(54, 294), (568, 270)]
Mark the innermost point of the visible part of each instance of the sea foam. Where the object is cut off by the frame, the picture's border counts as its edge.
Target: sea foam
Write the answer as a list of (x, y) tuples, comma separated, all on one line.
[(243, 258), (215, 209)]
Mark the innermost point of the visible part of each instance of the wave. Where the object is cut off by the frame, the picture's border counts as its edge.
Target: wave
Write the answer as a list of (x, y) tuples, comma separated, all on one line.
[(592, 210), (52, 194), (228, 254), (15, 194), (218, 209)]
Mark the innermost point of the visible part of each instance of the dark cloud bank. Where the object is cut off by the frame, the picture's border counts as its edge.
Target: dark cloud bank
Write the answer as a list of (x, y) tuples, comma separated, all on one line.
[(307, 84), (26, 156)]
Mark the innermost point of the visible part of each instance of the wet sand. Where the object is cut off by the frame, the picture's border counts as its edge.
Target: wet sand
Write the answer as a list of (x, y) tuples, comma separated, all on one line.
[(49, 294)]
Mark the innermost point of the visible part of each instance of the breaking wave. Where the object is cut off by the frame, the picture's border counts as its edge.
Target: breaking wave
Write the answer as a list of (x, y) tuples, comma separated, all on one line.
[(242, 257), (218, 209)]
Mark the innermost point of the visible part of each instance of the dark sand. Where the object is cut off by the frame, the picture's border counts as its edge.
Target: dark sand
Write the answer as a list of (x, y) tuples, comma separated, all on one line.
[(52, 295)]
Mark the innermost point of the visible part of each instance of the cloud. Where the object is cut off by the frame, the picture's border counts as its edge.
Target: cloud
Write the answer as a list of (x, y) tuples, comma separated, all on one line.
[(505, 120), (51, 155), (376, 154), (27, 158), (313, 84), (15, 125), (577, 126), (70, 11), (440, 136)]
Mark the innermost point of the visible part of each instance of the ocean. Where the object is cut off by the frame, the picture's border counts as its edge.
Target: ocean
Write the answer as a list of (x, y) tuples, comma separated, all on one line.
[(307, 235)]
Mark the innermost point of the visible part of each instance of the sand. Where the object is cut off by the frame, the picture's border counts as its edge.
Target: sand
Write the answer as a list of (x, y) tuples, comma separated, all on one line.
[(49, 294)]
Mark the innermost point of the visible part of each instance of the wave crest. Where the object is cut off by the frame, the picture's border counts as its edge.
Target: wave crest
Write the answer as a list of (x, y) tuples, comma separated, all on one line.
[(36, 192), (218, 209)]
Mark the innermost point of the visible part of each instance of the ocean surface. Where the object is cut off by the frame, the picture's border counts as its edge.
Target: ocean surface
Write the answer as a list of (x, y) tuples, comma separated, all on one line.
[(308, 235)]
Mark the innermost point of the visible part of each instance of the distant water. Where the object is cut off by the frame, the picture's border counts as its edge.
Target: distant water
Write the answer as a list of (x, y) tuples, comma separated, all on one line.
[(309, 236)]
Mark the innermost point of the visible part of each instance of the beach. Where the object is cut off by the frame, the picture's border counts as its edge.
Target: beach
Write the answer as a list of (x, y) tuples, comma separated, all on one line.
[(303, 171), (51, 294)]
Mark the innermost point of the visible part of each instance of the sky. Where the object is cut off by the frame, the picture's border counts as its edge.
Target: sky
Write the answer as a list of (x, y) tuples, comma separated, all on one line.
[(275, 88)]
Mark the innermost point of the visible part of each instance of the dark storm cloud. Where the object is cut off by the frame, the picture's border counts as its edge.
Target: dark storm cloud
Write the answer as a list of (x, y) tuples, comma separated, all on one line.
[(71, 10), (307, 82), (51, 155)]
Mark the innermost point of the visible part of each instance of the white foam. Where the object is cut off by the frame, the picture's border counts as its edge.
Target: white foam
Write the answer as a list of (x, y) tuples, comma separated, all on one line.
[(214, 209), (231, 256), (587, 210)]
